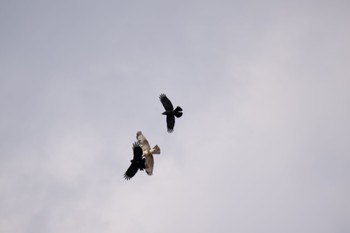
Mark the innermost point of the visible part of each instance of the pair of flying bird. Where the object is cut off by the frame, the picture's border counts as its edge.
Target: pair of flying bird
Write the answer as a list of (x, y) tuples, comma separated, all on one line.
[(143, 153)]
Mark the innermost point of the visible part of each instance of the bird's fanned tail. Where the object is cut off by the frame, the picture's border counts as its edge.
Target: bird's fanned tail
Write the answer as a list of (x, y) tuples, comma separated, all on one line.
[(155, 150), (178, 112)]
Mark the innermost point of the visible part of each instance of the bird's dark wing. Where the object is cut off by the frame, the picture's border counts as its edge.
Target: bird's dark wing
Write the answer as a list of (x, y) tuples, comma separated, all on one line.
[(170, 122), (137, 163), (166, 102), (132, 170), (137, 152)]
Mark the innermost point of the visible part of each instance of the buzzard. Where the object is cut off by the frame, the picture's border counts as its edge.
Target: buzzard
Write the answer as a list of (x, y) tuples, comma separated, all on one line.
[(147, 152), (170, 112), (138, 162)]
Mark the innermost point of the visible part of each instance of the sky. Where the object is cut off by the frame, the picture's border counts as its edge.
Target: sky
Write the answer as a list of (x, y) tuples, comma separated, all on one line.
[(263, 145)]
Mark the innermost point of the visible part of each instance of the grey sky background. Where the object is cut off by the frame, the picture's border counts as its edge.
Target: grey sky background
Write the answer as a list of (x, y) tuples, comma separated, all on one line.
[(263, 145)]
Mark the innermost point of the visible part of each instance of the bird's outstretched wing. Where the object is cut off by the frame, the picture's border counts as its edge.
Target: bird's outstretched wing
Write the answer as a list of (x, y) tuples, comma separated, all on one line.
[(166, 102), (137, 163), (141, 139), (170, 122), (132, 170), (149, 164), (137, 151)]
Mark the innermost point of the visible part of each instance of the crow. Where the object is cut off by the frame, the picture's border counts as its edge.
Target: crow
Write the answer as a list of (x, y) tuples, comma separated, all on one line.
[(170, 112), (138, 162), (147, 152)]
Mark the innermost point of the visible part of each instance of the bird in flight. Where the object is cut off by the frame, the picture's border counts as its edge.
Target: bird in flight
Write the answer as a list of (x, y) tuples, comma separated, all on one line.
[(147, 152), (138, 162), (170, 112)]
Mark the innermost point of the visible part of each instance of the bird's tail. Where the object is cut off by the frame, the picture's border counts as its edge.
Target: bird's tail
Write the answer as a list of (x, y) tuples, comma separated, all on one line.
[(178, 112), (155, 150)]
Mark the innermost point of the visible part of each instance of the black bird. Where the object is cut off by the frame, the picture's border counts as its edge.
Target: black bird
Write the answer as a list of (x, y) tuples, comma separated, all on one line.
[(137, 163), (170, 112)]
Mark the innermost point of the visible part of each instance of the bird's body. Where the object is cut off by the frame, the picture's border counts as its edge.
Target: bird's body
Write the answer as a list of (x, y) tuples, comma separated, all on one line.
[(147, 152), (138, 162), (170, 112)]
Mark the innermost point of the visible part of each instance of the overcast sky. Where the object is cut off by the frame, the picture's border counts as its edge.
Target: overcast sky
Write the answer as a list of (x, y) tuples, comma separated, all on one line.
[(263, 145)]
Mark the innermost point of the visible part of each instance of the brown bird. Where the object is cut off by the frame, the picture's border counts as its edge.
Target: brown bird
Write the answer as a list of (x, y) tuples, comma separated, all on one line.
[(147, 152)]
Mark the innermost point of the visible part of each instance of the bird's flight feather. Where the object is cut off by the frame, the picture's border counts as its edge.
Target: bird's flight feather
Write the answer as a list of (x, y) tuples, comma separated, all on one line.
[(166, 102), (136, 163)]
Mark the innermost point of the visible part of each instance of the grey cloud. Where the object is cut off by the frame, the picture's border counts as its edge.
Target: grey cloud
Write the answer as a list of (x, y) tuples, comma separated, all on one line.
[(261, 146)]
